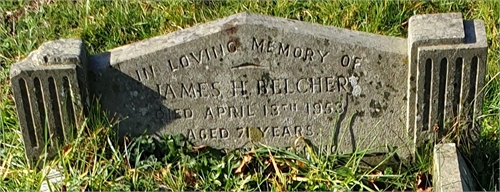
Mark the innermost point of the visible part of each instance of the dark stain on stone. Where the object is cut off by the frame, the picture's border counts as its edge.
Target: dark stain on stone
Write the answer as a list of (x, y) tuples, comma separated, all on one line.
[(379, 57), (361, 113), (375, 109), (256, 60), (350, 72), (230, 27), (266, 77), (387, 95), (362, 95), (236, 41), (392, 88), (379, 85), (412, 78)]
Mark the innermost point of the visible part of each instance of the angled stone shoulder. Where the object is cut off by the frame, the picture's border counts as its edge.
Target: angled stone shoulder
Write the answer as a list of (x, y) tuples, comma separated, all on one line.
[(253, 21)]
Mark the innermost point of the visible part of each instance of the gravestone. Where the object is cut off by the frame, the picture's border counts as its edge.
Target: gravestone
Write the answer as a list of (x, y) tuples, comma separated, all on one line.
[(218, 82)]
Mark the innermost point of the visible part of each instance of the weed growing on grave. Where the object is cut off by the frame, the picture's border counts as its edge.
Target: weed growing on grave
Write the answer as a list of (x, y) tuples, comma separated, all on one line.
[(96, 159)]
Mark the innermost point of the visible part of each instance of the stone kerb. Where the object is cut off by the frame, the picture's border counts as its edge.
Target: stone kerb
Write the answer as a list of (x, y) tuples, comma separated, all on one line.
[(450, 171), (337, 88)]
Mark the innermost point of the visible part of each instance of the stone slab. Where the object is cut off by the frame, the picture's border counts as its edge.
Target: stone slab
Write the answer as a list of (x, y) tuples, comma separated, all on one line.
[(53, 181), (451, 172), (436, 29), (212, 82)]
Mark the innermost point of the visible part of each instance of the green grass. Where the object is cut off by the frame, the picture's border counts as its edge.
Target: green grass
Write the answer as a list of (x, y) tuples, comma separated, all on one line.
[(98, 160)]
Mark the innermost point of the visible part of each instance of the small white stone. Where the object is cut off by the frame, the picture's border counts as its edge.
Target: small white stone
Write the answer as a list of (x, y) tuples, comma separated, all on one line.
[(53, 178), (353, 80), (356, 91)]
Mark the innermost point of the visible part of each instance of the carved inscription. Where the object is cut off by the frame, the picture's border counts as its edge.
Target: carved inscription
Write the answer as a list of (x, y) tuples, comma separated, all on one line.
[(280, 48), (194, 90), (188, 60), (279, 131), (331, 83), (229, 112), (201, 56), (302, 85), (207, 134), (189, 90)]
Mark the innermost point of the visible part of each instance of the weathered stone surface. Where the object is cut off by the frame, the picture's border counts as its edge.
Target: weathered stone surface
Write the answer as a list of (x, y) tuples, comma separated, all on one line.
[(446, 74), (450, 171), (342, 90), (333, 86), (49, 89)]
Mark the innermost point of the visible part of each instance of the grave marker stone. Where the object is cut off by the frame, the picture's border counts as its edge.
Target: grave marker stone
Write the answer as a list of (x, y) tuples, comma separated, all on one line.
[(213, 82), (342, 90)]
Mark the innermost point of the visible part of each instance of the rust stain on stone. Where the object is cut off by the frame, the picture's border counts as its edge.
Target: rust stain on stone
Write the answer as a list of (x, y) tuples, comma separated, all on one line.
[(230, 27)]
